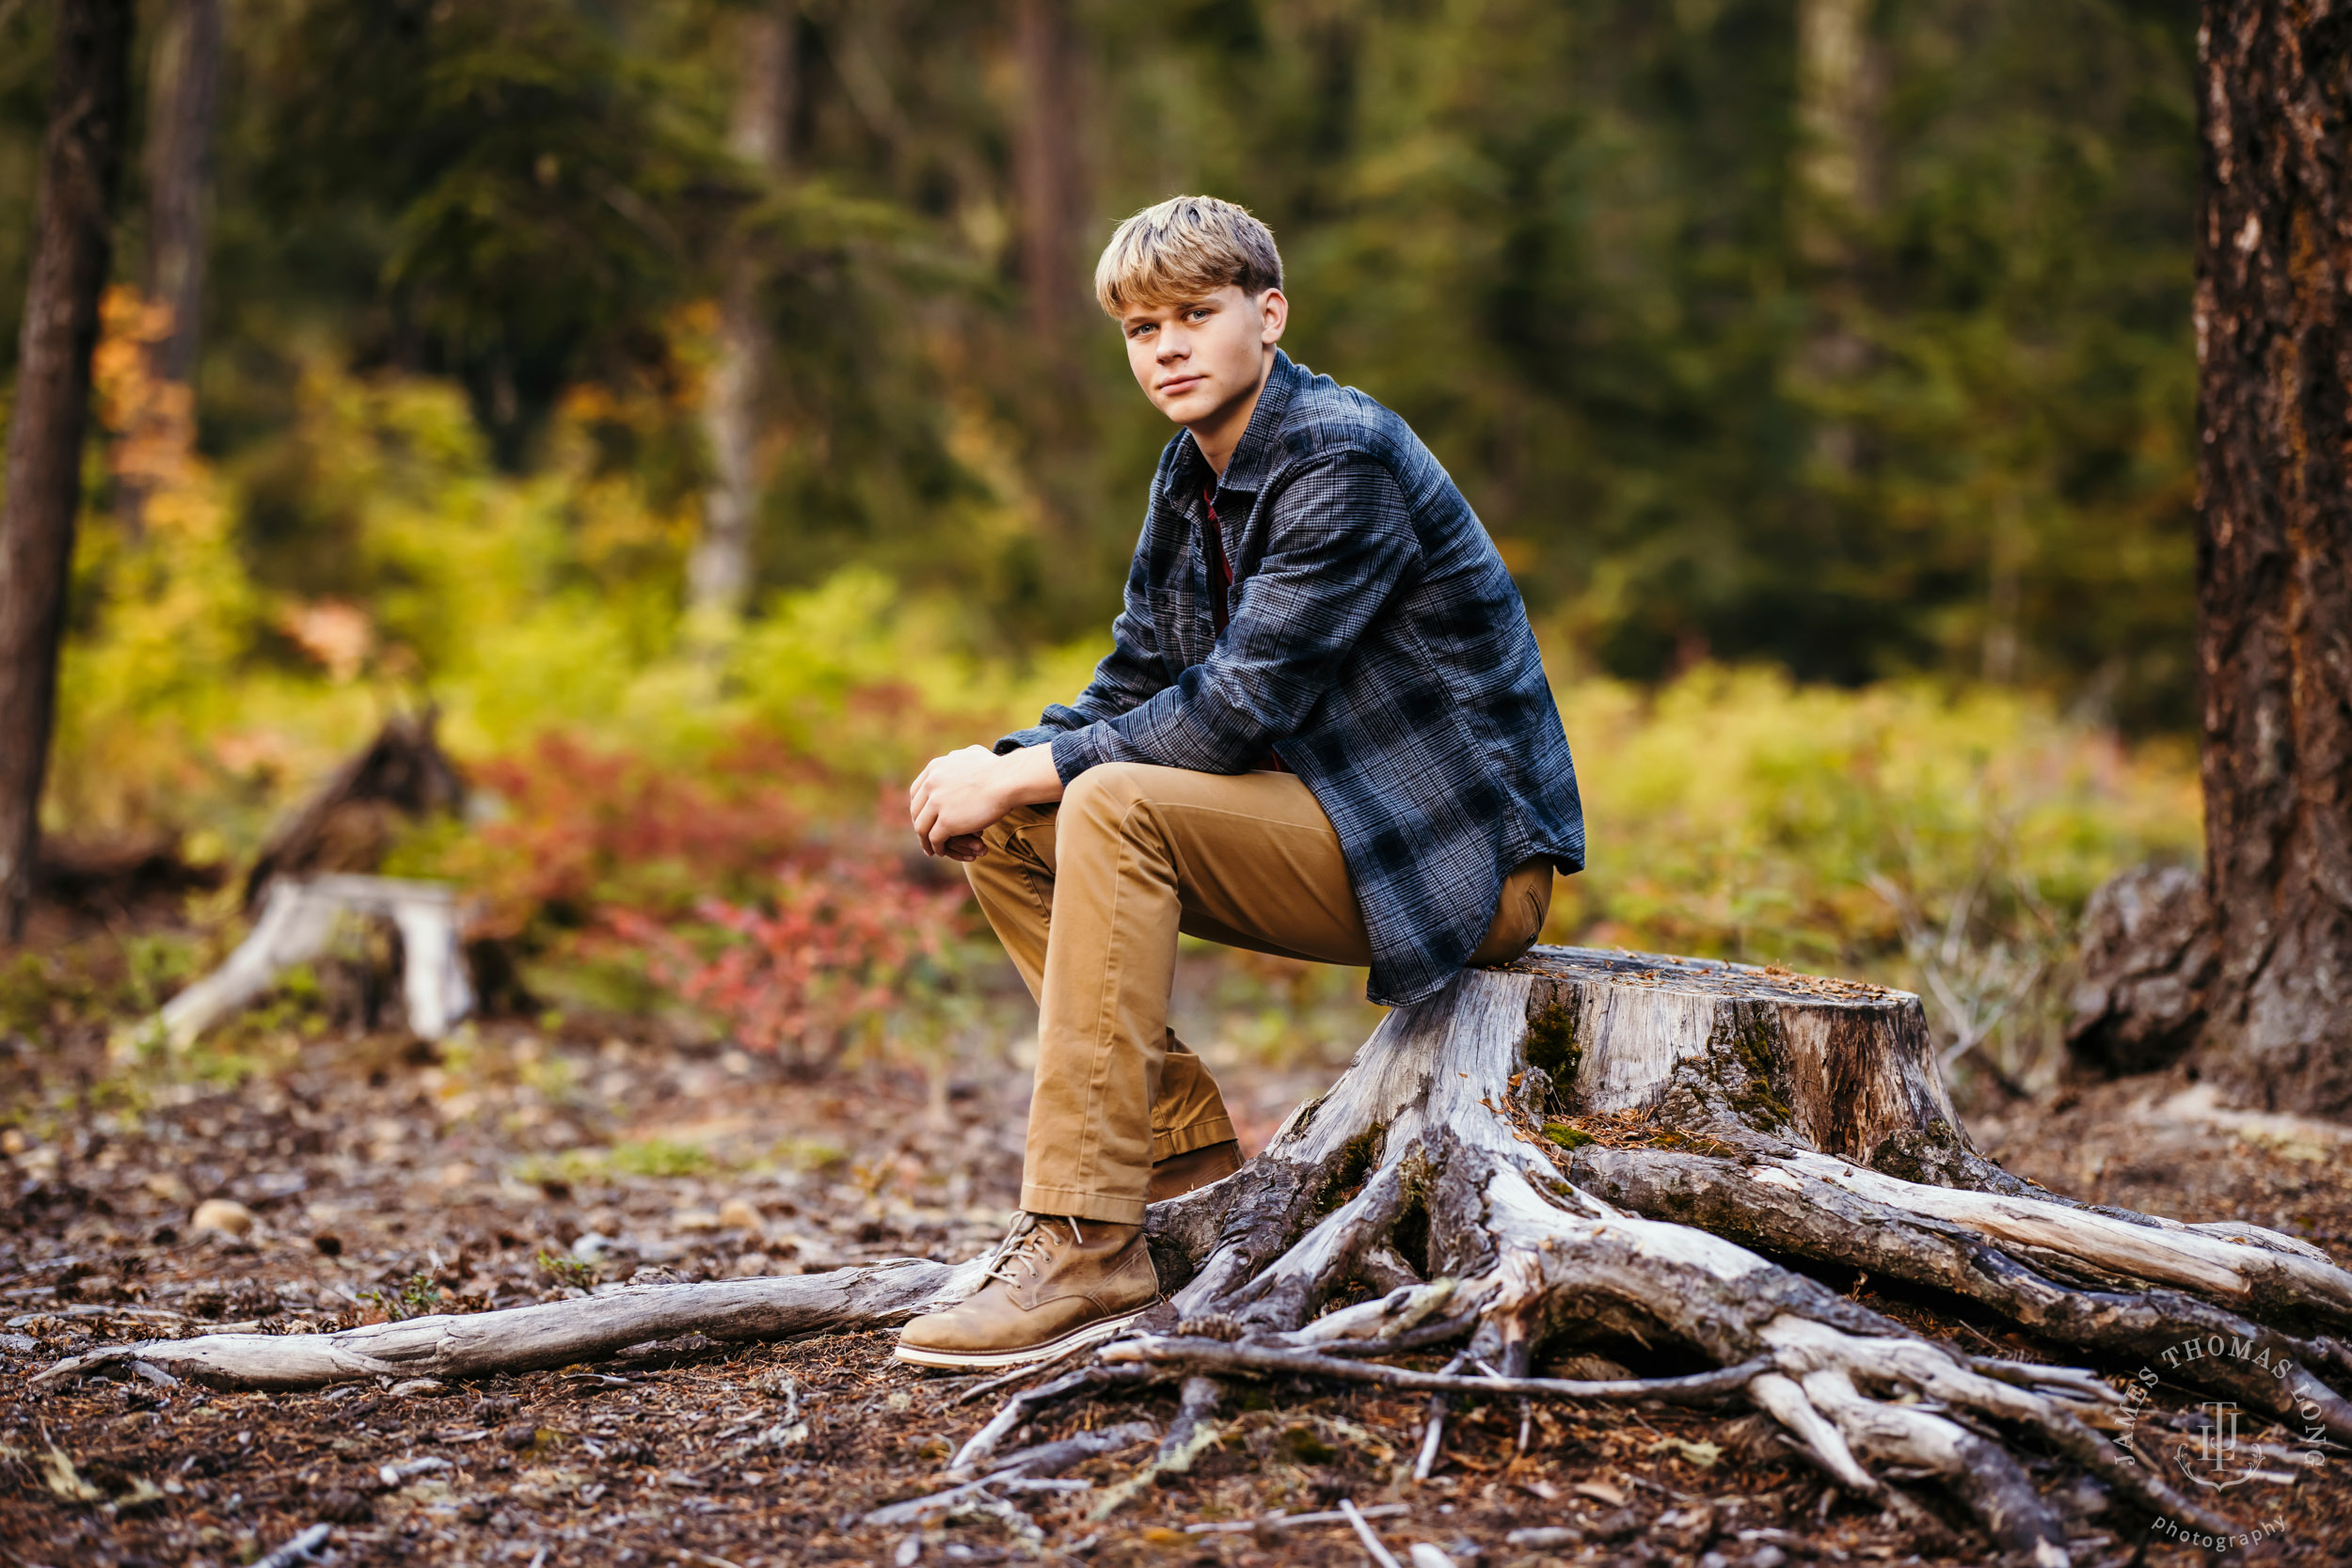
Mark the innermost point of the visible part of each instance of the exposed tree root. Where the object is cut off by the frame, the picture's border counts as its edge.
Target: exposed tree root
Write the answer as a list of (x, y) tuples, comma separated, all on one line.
[(1583, 1149), (1780, 1210), (1260, 1357)]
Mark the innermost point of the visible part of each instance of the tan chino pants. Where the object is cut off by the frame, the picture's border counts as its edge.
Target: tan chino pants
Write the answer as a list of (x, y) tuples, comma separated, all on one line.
[(1133, 855)]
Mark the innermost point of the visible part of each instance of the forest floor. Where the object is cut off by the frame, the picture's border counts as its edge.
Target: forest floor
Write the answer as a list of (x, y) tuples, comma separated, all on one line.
[(365, 1178)]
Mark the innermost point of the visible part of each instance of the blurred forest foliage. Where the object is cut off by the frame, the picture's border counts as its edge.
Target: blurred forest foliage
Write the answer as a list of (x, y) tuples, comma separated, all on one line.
[(1840, 343), (1893, 378)]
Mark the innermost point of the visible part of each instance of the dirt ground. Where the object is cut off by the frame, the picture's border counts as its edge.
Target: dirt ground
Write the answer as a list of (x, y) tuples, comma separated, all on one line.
[(374, 1178)]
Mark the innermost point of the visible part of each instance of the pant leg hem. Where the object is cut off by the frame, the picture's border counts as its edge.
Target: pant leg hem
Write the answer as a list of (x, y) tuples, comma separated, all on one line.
[(1081, 1205), (1183, 1140)]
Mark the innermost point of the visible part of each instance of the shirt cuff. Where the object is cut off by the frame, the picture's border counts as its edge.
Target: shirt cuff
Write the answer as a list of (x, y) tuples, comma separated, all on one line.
[(1036, 735), (1075, 750)]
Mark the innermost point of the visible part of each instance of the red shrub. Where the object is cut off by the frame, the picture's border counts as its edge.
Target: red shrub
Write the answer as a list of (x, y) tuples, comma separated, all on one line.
[(843, 941), (582, 830), (747, 886)]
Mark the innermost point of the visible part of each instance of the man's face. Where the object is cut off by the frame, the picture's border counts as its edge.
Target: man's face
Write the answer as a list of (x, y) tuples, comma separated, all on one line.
[(1200, 358)]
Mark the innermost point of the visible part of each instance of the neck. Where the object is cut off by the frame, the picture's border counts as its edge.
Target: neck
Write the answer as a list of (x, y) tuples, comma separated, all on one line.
[(1221, 432)]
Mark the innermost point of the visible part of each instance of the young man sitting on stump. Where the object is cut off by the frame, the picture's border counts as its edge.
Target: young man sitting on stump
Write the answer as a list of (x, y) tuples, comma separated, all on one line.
[(1323, 731)]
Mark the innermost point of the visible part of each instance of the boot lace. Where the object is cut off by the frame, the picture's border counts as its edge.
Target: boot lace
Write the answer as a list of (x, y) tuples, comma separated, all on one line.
[(1032, 1237)]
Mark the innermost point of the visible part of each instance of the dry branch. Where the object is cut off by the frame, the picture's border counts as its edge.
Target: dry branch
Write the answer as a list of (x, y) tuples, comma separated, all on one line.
[(1031, 1464), (552, 1334)]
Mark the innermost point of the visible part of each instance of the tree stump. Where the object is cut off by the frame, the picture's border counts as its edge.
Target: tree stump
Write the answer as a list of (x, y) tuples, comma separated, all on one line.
[(1589, 1148), (1732, 1051)]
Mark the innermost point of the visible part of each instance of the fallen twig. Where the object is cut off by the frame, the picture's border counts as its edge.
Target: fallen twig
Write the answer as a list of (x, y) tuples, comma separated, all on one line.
[(983, 1444), (1354, 1517), (1190, 1435), (914, 1508), (1289, 1521), (1434, 1435), (298, 1548), (1024, 1471)]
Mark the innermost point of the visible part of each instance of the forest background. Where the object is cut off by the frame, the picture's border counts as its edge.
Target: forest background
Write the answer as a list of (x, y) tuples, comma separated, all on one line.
[(702, 405)]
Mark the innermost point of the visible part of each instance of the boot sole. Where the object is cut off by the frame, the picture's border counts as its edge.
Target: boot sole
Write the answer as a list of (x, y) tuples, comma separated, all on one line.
[(1101, 1328)]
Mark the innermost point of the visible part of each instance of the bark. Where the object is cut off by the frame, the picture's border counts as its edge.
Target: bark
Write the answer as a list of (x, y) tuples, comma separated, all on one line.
[(182, 96), (1579, 1150), (2148, 959), (80, 164), (1837, 190), (1839, 87), (1047, 171), (2274, 258), (718, 573), (182, 90), (349, 824)]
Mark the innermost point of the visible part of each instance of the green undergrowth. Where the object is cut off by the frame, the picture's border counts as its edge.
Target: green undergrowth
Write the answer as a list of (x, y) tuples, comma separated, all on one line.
[(667, 818), (635, 1157)]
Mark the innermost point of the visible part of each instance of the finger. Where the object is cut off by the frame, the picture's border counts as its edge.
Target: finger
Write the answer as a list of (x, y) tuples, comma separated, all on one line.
[(968, 847)]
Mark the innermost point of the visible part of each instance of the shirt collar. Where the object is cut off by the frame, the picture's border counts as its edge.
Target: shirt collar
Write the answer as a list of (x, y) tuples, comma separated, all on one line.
[(1247, 468)]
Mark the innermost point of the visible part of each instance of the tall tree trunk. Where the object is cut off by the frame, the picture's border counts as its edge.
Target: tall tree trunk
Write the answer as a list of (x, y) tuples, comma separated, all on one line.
[(1837, 100), (181, 99), (182, 89), (719, 575), (1835, 193), (80, 163), (2274, 258), (1046, 170), (1051, 214)]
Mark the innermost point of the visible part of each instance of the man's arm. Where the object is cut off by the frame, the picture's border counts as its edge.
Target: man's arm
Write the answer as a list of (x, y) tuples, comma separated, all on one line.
[(1341, 539)]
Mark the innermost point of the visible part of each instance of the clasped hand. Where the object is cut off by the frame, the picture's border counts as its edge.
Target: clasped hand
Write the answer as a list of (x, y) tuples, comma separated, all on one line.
[(960, 794)]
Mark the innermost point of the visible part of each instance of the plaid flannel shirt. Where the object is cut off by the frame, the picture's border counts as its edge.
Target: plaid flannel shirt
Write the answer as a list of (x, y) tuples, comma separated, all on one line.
[(1377, 644)]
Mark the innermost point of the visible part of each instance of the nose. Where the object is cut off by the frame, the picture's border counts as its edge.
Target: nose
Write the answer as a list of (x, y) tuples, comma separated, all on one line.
[(1172, 347)]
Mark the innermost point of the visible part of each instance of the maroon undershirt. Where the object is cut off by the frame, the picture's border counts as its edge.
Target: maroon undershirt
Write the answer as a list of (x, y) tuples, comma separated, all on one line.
[(1217, 612)]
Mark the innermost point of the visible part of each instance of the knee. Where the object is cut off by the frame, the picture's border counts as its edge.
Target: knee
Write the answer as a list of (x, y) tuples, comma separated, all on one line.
[(1104, 795)]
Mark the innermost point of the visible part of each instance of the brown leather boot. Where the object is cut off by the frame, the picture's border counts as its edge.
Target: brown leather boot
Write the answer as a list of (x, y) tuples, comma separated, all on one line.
[(1056, 1284), (1195, 1168)]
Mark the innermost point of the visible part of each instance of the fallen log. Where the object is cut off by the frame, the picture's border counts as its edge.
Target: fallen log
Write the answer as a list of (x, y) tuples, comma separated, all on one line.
[(552, 1334)]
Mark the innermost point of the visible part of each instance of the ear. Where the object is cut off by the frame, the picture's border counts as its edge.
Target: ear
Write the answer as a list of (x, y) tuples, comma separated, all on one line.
[(1274, 313)]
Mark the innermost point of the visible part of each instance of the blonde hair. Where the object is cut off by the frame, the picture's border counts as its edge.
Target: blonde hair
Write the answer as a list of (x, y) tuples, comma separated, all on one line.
[(1182, 248)]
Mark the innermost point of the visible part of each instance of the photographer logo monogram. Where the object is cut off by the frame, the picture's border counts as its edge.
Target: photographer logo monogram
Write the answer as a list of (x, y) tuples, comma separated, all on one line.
[(2223, 1447)]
